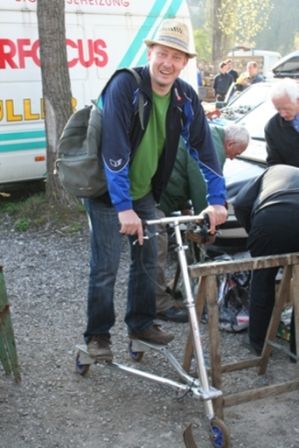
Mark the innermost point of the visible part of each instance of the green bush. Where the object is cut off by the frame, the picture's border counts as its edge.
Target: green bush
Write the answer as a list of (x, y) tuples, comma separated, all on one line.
[(34, 212), (22, 224)]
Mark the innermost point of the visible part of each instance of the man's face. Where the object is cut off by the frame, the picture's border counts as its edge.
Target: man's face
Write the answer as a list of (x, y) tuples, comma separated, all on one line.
[(252, 70), (233, 148), (165, 66), (286, 108)]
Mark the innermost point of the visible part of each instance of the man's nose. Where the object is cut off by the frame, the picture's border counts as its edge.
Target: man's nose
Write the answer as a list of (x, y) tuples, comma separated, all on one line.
[(168, 61)]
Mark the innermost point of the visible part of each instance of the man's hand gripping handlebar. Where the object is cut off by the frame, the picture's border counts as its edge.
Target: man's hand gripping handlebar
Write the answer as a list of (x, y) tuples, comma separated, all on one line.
[(199, 231)]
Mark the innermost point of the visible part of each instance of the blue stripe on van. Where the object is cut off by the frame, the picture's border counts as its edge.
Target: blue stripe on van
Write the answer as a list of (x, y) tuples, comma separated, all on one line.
[(23, 146), (171, 12), (21, 135), (10, 141), (144, 31)]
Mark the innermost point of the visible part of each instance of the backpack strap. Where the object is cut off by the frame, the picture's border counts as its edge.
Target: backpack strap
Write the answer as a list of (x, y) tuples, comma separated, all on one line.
[(141, 101), (140, 96)]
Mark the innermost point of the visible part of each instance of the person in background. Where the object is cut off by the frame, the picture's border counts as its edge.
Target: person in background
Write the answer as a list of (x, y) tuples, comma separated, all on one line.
[(253, 73), (222, 82), (282, 130), (186, 192), (242, 82), (250, 76), (230, 69), (200, 82), (138, 159), (268, 208)]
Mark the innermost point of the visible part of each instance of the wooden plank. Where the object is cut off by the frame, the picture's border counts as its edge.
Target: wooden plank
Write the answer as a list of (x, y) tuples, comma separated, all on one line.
[(8, 352), (4, 359), (282, 294), (262, 392), (241, 365), (10, 347), (209, 271), (242, 264), (3, 311)]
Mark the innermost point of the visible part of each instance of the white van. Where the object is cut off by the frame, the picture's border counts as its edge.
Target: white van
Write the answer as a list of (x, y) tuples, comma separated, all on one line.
[(101, 36)]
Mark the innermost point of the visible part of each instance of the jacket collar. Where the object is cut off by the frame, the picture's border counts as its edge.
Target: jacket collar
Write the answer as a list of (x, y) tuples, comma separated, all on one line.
[(284, 122)]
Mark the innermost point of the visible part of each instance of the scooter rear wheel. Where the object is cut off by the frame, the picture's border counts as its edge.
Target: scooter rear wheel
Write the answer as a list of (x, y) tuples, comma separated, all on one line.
[(82, 369), (135, 356)]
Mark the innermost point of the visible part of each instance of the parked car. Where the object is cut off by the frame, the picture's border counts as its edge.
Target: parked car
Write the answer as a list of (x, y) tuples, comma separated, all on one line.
[(239, 102), (288, 66), (244, 102)]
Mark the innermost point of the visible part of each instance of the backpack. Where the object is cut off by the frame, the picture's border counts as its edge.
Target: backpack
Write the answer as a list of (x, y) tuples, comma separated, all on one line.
[(79, 163), (233, 301)]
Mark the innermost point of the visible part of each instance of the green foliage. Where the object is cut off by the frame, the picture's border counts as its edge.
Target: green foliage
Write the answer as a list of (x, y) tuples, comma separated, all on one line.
[(22, 224), (267, 25), (283, 29), (203, 43), (11, 208), (243, 19), (34, 212)]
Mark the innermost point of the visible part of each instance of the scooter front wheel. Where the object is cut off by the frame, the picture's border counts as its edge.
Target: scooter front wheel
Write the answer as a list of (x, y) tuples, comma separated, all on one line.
[(219, 434)]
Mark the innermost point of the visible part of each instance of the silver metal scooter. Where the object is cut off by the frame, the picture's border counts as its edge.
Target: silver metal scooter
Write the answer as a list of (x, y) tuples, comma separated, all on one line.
[(199, 387)]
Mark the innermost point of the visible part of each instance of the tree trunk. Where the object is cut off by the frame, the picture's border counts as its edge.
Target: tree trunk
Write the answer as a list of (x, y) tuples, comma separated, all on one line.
[(56, 86), (217, 34)]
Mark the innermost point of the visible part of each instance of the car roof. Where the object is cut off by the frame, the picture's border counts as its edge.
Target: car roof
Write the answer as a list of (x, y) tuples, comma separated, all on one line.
[(288, 66)]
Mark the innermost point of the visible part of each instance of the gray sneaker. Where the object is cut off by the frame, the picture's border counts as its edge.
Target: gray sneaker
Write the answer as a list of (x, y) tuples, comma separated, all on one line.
[(99, 347), (153, 335)]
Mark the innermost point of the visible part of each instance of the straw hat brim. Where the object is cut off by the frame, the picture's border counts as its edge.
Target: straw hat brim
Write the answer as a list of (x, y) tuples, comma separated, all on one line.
[(149, 43)]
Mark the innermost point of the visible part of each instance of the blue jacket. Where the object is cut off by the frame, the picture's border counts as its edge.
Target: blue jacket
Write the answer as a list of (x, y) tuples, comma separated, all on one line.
[(122, 133)]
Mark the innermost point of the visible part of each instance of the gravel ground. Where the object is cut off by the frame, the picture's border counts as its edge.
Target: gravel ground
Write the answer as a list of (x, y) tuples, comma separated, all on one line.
[(46, 280)]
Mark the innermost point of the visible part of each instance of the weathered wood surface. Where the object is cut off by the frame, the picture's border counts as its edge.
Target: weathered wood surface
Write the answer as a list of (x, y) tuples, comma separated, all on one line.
[(8, 352), (242, 264), (207, 293)]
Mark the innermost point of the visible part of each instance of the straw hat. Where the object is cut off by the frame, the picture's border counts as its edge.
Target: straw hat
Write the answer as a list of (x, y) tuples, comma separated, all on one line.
[(173, 34)]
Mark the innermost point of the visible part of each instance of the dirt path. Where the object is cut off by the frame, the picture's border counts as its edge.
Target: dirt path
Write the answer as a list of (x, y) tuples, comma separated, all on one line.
[(54, 407)]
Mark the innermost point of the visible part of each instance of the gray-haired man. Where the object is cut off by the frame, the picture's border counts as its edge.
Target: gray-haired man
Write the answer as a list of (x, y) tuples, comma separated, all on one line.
[(187, 186)]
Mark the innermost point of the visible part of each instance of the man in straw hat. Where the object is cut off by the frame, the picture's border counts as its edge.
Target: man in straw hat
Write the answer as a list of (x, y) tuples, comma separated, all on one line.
[(138, 159)]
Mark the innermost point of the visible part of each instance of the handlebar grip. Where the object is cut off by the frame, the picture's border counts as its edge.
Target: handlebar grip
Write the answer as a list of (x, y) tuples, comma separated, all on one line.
[(206, 220)]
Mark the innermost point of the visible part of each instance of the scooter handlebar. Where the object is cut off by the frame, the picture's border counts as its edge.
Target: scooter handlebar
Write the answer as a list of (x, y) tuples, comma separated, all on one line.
[(201, 220)]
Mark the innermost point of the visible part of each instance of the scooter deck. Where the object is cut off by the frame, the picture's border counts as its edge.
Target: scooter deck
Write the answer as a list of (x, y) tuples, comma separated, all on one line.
[(136, 345)]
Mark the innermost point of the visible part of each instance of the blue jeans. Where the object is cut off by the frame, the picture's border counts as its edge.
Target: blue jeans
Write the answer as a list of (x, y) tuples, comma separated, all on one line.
[(105, 241)]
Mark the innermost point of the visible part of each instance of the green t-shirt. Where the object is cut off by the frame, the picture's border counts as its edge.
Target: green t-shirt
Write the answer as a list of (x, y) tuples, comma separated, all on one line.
[(146, 158)]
